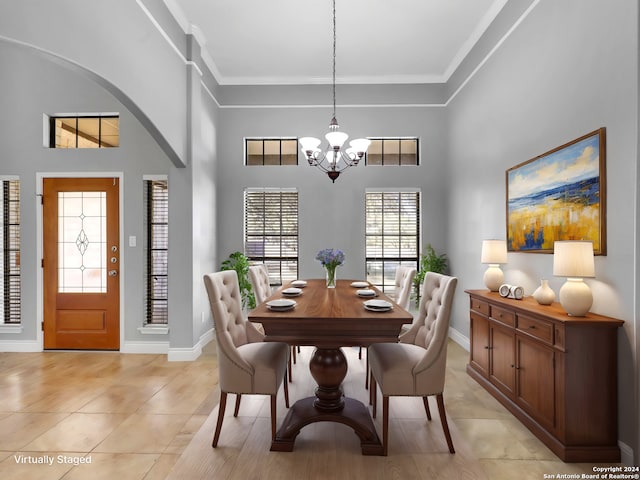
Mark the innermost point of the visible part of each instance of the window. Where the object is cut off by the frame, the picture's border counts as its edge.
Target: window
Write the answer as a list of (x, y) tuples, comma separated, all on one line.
[(10, 261), (271, 231), (392, 151), (392, 236), (271, 151), (156, 206), (84, 132)]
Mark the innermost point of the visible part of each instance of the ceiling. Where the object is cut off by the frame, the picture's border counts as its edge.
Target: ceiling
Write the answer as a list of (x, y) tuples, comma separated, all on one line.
[(258, 42)]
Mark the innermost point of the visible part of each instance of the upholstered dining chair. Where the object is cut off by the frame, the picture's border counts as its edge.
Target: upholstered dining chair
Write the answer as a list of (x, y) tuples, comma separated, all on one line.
[(416, 365), (246, 364), (259, 279), (402, 296)]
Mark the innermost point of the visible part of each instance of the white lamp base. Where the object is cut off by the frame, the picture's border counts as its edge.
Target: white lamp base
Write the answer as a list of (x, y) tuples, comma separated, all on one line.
[(576, 297), (493, 277)]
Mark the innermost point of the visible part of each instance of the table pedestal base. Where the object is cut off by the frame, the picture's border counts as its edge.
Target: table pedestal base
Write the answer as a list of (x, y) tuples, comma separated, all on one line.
[(354, 414), (328, 367)]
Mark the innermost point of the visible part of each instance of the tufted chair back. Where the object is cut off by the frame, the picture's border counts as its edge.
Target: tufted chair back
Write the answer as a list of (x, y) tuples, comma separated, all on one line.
[(259, 278), (232, 329), (404, 281), (431, 328)]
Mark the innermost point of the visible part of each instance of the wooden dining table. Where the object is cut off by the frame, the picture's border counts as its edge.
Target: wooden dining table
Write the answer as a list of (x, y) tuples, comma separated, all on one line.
[(329, 318)]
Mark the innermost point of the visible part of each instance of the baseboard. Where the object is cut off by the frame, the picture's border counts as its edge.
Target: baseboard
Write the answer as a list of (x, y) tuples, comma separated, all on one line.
[(460, 339), (626, 454), (22, 346), (145, 347), (190, 354)]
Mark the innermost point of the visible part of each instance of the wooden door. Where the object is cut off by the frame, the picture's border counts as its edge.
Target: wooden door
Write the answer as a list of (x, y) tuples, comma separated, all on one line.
[(81, 263)]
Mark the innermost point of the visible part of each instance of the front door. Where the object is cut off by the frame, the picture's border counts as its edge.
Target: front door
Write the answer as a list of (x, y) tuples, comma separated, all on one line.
[(81, 264)]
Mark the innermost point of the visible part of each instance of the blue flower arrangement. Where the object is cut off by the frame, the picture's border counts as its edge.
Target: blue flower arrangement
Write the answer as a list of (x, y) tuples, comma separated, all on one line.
[(330, 258)]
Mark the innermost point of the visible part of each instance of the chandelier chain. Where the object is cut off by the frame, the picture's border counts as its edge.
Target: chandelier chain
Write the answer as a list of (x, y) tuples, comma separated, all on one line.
[(334, 58)]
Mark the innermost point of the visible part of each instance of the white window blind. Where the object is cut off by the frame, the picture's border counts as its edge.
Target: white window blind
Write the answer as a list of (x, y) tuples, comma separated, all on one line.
[(10, 285), (271, 231), (156, 204), (392, 236)]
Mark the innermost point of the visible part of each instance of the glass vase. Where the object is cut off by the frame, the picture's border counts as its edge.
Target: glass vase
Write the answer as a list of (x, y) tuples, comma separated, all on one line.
[(331, 277)]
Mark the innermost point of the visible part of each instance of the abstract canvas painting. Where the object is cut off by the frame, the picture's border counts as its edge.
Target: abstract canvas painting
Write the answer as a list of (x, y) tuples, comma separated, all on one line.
[(559, 195)]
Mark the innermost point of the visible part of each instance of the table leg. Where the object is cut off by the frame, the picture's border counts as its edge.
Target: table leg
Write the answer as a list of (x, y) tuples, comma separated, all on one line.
[(328, 367)]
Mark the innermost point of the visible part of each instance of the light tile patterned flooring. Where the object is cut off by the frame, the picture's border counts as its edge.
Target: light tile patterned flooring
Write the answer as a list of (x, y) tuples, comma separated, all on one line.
[(135, 416)]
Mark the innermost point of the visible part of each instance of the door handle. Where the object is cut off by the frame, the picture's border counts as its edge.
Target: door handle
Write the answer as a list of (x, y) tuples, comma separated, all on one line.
[(113, 273)]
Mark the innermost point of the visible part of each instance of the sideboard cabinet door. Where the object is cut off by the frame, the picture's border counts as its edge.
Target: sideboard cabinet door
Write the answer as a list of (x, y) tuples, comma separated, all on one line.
[(535, 374)]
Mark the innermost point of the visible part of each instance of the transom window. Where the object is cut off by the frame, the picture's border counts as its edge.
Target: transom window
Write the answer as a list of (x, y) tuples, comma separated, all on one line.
[(271, 151), (84, 132), (392, 151), (156, 221), (271, 231), (10, 289), (392, 235)]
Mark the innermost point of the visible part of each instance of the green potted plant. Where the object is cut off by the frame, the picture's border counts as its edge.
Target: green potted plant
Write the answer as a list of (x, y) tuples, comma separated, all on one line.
[(430, 261), (239, 262)]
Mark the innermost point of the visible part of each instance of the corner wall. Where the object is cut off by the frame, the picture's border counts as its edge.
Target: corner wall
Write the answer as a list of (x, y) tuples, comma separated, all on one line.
[(557, 77)]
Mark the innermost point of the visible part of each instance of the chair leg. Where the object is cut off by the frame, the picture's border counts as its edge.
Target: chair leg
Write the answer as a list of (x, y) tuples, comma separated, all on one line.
[(293, 351), (237, 409), (385, 424), (425, 400), (359, 353), (298, 348), (273, 417), (286, 390), (443, 420), (289, 364), (221, 406)]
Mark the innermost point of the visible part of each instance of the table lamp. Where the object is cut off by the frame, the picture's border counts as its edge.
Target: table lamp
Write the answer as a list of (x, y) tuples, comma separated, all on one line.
[(494, 252), (574, 259)]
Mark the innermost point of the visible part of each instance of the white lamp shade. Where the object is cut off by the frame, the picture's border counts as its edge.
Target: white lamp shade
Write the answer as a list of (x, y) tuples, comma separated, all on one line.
[(309, 143), (336, 139), (360, 145), (494, 251), (573, 258)]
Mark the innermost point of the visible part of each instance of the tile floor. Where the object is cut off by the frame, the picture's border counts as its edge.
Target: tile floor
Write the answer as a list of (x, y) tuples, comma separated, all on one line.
[(134, 416)]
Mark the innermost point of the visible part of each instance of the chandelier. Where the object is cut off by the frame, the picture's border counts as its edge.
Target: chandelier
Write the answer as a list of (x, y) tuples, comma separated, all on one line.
[(334, 159)]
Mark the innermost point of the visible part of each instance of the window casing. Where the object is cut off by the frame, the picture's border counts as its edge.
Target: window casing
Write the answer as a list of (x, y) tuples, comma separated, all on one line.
[(84, 132), (271, 231), (392, 234), (10, 262), (393, 151), (156, 205), (271, 151)]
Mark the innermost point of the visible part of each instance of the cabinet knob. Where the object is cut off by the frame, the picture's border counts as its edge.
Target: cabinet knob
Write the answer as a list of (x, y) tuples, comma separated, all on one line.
[(532, 327)]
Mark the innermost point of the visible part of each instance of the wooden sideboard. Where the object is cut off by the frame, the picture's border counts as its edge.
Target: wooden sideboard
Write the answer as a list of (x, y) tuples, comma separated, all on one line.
[(557, 374)]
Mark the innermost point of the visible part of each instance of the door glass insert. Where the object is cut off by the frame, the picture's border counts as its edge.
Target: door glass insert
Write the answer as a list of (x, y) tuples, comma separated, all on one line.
[(82, 242)]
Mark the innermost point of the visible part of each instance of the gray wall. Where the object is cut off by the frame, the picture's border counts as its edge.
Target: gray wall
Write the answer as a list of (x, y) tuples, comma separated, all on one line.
[(136, 56), (331, 215), (559, 75), (39, 86)]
